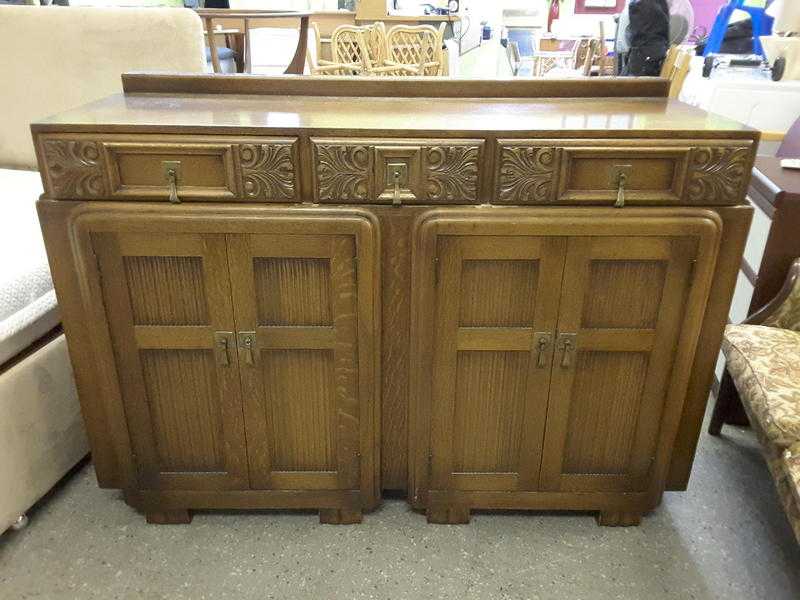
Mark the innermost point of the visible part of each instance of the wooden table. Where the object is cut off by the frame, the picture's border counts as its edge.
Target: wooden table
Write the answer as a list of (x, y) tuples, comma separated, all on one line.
[(210, 15)]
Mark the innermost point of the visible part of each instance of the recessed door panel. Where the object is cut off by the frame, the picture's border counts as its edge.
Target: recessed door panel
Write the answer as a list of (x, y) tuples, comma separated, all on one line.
[(496, 307), (620, 319), (297, 314), (168, 303)]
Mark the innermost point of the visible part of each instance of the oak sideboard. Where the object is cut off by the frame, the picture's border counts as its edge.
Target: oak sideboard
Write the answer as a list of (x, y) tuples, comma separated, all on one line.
[(301, 292)]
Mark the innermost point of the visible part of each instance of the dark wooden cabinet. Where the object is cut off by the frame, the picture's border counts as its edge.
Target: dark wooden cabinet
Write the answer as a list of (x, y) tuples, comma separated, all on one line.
[(298, 293)]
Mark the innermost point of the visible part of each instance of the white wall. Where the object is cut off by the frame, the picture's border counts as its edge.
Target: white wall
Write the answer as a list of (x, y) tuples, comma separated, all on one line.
[(569, 23)]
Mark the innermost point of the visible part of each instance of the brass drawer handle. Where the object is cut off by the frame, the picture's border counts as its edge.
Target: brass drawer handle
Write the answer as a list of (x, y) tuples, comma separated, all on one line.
[(172, 172), (396, 200), (172, 178), (622, 179)]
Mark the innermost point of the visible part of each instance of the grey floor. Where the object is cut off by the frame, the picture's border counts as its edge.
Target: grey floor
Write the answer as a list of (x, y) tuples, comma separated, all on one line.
[(725, 538)]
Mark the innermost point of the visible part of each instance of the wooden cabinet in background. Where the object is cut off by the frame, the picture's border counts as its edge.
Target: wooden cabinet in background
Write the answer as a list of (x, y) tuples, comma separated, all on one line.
[(284, 293)]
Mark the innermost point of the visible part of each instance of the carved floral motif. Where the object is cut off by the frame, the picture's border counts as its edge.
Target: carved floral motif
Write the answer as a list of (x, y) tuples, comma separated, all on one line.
[(452, 173), (343, 171), (717, 175), (267, 171), (75, 168), (527, 174)]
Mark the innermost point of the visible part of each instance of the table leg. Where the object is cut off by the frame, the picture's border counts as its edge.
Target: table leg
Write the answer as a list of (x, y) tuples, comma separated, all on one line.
[(298, 62), (248, 49), (212, 45)]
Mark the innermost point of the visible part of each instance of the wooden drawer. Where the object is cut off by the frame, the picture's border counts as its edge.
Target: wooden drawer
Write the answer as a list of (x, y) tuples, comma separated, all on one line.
[(143, 167), (630, 172), (429, 171)]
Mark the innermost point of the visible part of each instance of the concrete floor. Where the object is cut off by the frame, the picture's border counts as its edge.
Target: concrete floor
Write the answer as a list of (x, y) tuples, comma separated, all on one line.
[(725, 538)]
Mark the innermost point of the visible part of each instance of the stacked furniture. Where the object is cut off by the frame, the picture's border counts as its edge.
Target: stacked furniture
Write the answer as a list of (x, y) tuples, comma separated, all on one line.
[(763, 361), (319, 66), (41, 433), (299, 292), (404, 50)]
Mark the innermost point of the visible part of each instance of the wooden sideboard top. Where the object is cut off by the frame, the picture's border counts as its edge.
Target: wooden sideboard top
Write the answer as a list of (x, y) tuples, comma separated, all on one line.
[(202, 111)]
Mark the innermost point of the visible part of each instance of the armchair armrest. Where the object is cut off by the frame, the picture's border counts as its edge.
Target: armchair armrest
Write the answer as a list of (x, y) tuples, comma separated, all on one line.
[(783, 311), (338, 66), (390, 64)]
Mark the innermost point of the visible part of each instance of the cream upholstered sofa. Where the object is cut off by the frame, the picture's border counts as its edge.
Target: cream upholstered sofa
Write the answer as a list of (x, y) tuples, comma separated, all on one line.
[(763, 361), (55, 58)]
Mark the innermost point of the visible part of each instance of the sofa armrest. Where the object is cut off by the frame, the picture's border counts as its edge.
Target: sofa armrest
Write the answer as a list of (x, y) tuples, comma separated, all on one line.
[(783, 311)]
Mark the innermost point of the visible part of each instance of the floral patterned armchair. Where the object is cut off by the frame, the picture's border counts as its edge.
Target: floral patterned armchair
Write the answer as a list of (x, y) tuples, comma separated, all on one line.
[(763, 362)]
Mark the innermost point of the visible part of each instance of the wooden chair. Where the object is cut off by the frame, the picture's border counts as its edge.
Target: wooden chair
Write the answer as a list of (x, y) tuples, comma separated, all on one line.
[(514, 58), (592, 53), (417, 46), (377, 42), (580, 52), (603, 65), (349, 48), (676, 68), (319, 66), (583, 56)]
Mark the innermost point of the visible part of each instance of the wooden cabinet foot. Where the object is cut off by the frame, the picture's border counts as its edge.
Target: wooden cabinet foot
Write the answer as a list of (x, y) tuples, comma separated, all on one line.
[(612, 518), (169, 517), (448, 515), (339, 516)]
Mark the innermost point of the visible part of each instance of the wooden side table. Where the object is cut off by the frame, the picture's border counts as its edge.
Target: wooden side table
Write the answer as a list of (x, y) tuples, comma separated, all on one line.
[(210, 15)]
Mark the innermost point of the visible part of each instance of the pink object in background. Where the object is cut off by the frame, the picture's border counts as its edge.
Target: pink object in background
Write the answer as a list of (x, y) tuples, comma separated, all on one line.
[(705, 11)]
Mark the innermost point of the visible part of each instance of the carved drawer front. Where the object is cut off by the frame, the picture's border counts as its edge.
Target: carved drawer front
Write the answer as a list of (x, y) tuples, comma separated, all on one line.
[(397, 171), (174, 168), (629, 172)]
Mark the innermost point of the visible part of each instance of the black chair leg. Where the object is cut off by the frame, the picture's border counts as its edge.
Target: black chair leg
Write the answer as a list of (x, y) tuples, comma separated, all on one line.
[(728, 408)]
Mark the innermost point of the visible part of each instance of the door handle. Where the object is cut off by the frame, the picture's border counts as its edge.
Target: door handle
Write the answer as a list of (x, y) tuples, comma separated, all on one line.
[(567, 345), (246, 343), (222, 343), (543, 341)]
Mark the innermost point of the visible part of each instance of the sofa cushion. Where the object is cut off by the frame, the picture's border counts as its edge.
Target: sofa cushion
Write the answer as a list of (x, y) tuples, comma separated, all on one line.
[(28, 307), (223, 53), (765, 365), (55, 59)]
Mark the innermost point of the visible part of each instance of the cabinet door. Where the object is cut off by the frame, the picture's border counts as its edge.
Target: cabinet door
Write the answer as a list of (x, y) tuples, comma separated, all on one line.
[(496, 308), (168, 304), (296, 310), (622, 311)]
